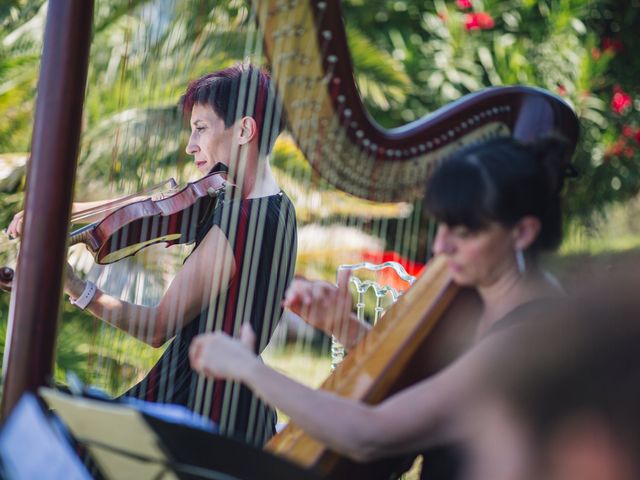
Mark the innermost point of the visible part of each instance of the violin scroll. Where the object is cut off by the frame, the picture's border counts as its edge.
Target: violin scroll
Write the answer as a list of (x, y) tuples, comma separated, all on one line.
[(6, 279)]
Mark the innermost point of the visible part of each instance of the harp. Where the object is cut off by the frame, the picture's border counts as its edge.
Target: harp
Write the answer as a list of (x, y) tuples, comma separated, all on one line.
[(306, 43)]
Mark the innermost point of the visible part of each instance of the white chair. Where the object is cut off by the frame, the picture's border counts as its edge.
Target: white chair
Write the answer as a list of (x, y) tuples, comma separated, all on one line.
[(381, 292)]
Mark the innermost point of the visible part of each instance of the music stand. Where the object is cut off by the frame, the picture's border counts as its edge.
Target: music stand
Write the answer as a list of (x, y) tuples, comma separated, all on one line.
[(128, 443), (33, 446)]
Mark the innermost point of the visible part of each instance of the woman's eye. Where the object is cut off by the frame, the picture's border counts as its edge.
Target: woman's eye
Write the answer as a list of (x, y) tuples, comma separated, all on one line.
[(462, 232)]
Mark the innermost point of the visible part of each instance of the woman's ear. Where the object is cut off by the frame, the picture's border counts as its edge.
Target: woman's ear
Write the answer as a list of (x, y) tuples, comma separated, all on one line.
[(248, 130), (526, 231)]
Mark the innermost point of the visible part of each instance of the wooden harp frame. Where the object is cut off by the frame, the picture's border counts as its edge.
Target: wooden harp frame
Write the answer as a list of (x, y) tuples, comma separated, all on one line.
[(306, 43), (35, 300)]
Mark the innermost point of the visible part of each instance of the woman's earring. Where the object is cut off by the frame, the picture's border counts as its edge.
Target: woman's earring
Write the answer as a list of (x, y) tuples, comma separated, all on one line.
[(520, 262)]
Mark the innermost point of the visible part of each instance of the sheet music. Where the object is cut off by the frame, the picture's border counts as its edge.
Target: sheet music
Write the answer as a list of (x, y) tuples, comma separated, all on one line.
[(30, 446), (110, 430)]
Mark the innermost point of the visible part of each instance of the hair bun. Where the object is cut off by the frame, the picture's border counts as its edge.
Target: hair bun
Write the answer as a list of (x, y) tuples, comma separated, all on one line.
[(554, 154)]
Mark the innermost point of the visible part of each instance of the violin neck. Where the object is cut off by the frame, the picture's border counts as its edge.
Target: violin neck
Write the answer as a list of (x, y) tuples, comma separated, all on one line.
[(82, 235)]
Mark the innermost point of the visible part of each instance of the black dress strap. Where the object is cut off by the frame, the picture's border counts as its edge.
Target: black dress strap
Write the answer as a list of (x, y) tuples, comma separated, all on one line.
[(522, 314)]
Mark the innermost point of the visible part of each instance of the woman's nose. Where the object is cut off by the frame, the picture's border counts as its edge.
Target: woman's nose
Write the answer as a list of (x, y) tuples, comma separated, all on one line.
[(442, 243), (192, 147)]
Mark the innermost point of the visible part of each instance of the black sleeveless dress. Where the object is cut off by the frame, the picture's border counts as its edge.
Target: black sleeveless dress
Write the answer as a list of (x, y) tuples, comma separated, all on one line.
[(446, 462), (262, 233)]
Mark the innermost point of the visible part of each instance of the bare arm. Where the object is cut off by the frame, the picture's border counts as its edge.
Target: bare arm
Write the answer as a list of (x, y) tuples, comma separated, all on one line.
[(410, 421), (326, 307), (205, 273)]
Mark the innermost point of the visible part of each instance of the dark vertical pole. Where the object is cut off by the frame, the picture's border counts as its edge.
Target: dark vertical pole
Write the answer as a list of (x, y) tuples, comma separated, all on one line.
[(35, 302)]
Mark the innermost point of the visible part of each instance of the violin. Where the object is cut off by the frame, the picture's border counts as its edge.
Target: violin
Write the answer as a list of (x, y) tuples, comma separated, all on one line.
[(171, 218)]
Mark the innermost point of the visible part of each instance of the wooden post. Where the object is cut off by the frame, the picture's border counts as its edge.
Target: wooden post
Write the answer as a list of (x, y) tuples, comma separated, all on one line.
[(35, 301)]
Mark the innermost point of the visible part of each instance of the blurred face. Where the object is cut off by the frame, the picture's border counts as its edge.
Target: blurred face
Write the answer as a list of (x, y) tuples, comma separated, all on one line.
[(210, 142), (476, 258), (500, 447)]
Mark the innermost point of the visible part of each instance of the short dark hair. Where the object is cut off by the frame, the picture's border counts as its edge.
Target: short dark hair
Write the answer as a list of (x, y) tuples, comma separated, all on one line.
[(235, 92), (502, 180)]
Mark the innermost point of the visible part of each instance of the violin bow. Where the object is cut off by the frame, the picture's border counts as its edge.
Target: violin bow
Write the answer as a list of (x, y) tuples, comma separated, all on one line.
[(114, 204)]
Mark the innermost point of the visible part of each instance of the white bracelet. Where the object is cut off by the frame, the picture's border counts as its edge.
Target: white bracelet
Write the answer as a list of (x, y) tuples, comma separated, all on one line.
[(88, 293)]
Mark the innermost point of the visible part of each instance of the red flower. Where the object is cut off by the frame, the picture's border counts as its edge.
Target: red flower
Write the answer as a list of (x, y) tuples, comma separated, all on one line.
[(617, 148), (628, 152), (464, 4), (637, 136), (612, 44), (627, 131), (596, 53), (478, 21), (621, 101), (562, 90)]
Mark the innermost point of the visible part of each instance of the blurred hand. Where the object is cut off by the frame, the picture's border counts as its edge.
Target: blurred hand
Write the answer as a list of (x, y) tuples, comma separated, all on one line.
[(218, 355), (14, 230), (73, 285), (321, 304)]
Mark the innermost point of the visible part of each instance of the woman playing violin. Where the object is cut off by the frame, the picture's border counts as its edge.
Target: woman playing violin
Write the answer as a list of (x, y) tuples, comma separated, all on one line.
[(240, 267), (498, 207)]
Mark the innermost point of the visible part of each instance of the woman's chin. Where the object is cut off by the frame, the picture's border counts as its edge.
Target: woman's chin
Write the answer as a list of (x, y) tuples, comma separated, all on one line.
[(460, 279)]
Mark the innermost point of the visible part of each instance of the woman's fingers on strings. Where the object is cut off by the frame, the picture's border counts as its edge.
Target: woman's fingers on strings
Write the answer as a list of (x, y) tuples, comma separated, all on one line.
[(342, 279), (221, 356), (303, 296), (295, 297), (195, 353), (14, 230), (343, 297), (320, 303), (202, 355), (247, 336)]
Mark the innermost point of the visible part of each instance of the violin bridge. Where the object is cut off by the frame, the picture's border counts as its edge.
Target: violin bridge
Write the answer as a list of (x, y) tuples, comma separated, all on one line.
[(214, 192)]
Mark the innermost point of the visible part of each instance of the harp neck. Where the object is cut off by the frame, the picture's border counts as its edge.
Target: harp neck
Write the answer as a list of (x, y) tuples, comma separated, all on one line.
[(314, 76)]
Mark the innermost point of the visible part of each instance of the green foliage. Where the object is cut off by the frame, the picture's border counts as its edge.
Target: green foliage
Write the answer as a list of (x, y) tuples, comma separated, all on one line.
[(581, 50), (100, 355)]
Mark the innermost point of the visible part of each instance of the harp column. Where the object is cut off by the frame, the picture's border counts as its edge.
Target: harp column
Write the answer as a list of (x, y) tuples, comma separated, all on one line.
[(35, 301)]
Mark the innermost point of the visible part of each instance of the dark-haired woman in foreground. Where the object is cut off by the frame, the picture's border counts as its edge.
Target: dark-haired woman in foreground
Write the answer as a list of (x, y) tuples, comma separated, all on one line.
[(498, 206)]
